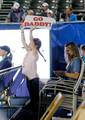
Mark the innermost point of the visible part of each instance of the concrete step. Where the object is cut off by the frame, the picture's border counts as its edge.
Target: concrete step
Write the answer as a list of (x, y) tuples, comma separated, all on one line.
[(8, 2), (4, 12), (6, 6), (2, 21), (3, 17)]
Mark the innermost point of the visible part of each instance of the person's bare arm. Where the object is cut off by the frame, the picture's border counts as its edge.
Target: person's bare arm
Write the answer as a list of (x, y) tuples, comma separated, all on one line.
[(23, 38), (32, 44), (74, 75)]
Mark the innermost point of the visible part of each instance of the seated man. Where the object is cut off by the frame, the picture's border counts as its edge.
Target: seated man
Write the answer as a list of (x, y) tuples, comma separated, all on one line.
[(82, 52), (16, 14)]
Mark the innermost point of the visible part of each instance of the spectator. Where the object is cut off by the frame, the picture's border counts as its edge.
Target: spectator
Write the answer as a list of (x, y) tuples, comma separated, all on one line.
[(45, 9), (6, 57), (16, 14), (82, 52), (29, 13), (72, 58), (80, 17), (29, 69), (50, 13), (1, 2), (70, 16), (62, 17), (5, 62)]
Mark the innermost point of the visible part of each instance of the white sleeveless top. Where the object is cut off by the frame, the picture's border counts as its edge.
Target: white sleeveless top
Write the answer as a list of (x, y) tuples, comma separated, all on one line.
[(29, 67)]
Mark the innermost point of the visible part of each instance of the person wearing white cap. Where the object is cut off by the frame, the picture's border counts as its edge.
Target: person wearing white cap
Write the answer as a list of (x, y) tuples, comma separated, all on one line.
[(45, 9), (50, 13), (16, 14), (16, 5)]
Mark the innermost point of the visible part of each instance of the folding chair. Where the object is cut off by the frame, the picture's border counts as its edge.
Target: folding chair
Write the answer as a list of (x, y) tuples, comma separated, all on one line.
[(80, 113), (53, 107)]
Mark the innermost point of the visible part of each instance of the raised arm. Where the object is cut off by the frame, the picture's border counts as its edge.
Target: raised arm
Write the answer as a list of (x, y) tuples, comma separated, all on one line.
[(23, 38), (32, 44)]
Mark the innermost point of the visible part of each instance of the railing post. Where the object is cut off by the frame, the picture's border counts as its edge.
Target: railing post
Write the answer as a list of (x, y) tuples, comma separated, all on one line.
[(74, 102)]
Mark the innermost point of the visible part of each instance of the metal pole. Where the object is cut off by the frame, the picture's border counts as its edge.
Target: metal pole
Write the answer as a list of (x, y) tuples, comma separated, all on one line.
[(84, 4)]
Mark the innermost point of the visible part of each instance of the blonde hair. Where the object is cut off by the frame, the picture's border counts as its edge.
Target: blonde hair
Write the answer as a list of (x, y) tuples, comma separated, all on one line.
[(74, 49)]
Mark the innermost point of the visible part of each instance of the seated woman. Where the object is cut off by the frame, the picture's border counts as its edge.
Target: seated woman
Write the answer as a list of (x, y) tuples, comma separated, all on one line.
[(73, 68), (73, 60)]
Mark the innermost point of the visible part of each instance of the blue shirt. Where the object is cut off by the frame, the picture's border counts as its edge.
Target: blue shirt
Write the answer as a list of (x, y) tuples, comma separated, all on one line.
[(73, 17), (83, 58), (16, 16), (6, 63), (74, 66)]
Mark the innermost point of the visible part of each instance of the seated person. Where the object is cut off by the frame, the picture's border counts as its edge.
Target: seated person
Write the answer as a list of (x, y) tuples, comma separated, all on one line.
[(16, 14), (70, 16), (45, 9), (82, 52), (73, 60), (28, 17), (6, 57)]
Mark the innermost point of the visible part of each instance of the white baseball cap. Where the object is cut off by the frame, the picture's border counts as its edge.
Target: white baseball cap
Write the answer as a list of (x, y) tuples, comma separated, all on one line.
[(50, 11), (16, 5), (45, 4)]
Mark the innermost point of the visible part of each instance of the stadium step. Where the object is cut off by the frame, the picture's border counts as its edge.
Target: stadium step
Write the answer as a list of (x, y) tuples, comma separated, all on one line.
[(5, 8)]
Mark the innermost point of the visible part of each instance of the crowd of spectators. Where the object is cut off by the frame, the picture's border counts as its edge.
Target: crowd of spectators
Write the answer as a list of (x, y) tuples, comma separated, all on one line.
[(18, 14)]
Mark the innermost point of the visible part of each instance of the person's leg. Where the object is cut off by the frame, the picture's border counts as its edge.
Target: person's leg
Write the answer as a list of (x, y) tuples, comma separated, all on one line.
[(34, 94)]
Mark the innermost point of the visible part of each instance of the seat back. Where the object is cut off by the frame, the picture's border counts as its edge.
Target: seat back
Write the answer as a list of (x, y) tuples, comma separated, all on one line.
[(80, 113), (53, 107), (81, 77)]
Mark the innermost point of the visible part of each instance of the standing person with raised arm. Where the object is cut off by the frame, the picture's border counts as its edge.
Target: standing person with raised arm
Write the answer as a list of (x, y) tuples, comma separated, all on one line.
[(29, 69)]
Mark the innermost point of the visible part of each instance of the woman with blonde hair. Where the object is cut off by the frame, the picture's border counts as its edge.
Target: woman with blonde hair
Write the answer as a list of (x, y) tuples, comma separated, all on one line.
[(73, 60)]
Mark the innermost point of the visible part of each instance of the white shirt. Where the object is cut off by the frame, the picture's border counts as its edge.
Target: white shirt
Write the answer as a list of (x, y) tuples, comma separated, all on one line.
[(29, 67)]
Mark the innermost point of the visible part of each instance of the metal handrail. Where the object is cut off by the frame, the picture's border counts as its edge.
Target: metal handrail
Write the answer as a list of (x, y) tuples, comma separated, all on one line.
[(10, 69), (80, 78)]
